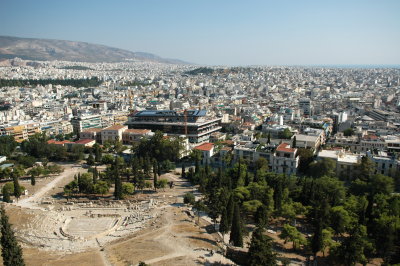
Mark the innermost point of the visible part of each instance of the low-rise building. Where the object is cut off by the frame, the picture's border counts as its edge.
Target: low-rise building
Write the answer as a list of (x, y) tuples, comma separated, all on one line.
[(285, 159), (91, 133), (113, 133), (207, 151), (130, 136)]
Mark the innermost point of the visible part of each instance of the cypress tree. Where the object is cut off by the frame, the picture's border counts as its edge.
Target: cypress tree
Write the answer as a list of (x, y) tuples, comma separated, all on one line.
[(223, 225), (158, 168), (197, 167), (229, 211), (261, 216), (236, 236), (260, 251), (294, 142), (79, 183), (10, 249), (183, 170), (118, 183), (33, 180), (17, 189), (155, 175), (95, 175)]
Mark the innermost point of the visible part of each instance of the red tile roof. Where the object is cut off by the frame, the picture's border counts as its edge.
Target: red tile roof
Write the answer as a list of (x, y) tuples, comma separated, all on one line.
[(205, 147), (83, 141), (55, 142), (284, 147), (370, 137)]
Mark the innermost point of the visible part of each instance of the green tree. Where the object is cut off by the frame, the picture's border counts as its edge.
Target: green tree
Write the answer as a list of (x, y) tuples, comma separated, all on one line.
[(260, 252), (128, 188), (327, 241), (155, 182), (353, 248), (285, 134), (183, 170), (290, 233), (324, 167), (189, 198), (97, 153), (294, 142), (7, 145), (223, 225), (118, 194), (236, 236), (33, 181), (306, 158), (17, 189), (90, 160), (366, 169), (6, 195), (162, 183), (101, 187), (339, 219), (348, 132), (10, 249), (261, 216)]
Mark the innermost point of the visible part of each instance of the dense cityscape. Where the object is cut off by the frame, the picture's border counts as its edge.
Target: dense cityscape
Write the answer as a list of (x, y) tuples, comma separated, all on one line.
[(266, 129), (153, 133)]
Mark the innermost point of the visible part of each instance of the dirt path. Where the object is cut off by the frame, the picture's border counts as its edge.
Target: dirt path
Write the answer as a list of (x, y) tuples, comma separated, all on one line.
[(174, 238), (29, 202)]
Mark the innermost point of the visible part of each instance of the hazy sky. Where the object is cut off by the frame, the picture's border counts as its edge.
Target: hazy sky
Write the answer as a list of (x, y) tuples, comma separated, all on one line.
[(217, 32)]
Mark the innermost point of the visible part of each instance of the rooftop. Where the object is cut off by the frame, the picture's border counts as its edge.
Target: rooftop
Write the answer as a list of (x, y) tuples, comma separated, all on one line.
[(205, 147), (84, 141), (92, 130), (197, 113), (284, 147), (137, 131), (115, 127)]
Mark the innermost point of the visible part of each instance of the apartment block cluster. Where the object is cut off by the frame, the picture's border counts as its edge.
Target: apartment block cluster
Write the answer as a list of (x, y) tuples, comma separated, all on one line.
[(248, 112)]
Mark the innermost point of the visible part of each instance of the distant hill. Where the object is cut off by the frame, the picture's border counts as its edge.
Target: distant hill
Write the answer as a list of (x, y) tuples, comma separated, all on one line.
[(45, 49)]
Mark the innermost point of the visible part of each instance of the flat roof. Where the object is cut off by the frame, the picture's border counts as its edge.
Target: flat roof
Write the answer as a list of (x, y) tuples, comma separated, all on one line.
[(115, 127), (170, 113)]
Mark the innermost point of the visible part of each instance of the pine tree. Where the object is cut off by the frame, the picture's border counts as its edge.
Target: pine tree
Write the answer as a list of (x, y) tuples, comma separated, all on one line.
[(10, 249), (236, 236), (260, 251)]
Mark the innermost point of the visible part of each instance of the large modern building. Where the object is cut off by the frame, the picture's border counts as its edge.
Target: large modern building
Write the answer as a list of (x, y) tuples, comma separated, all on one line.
[(194, 124), (81, 122)]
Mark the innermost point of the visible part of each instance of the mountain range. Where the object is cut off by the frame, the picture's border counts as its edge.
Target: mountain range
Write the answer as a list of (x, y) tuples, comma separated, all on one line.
[(48, 50)]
